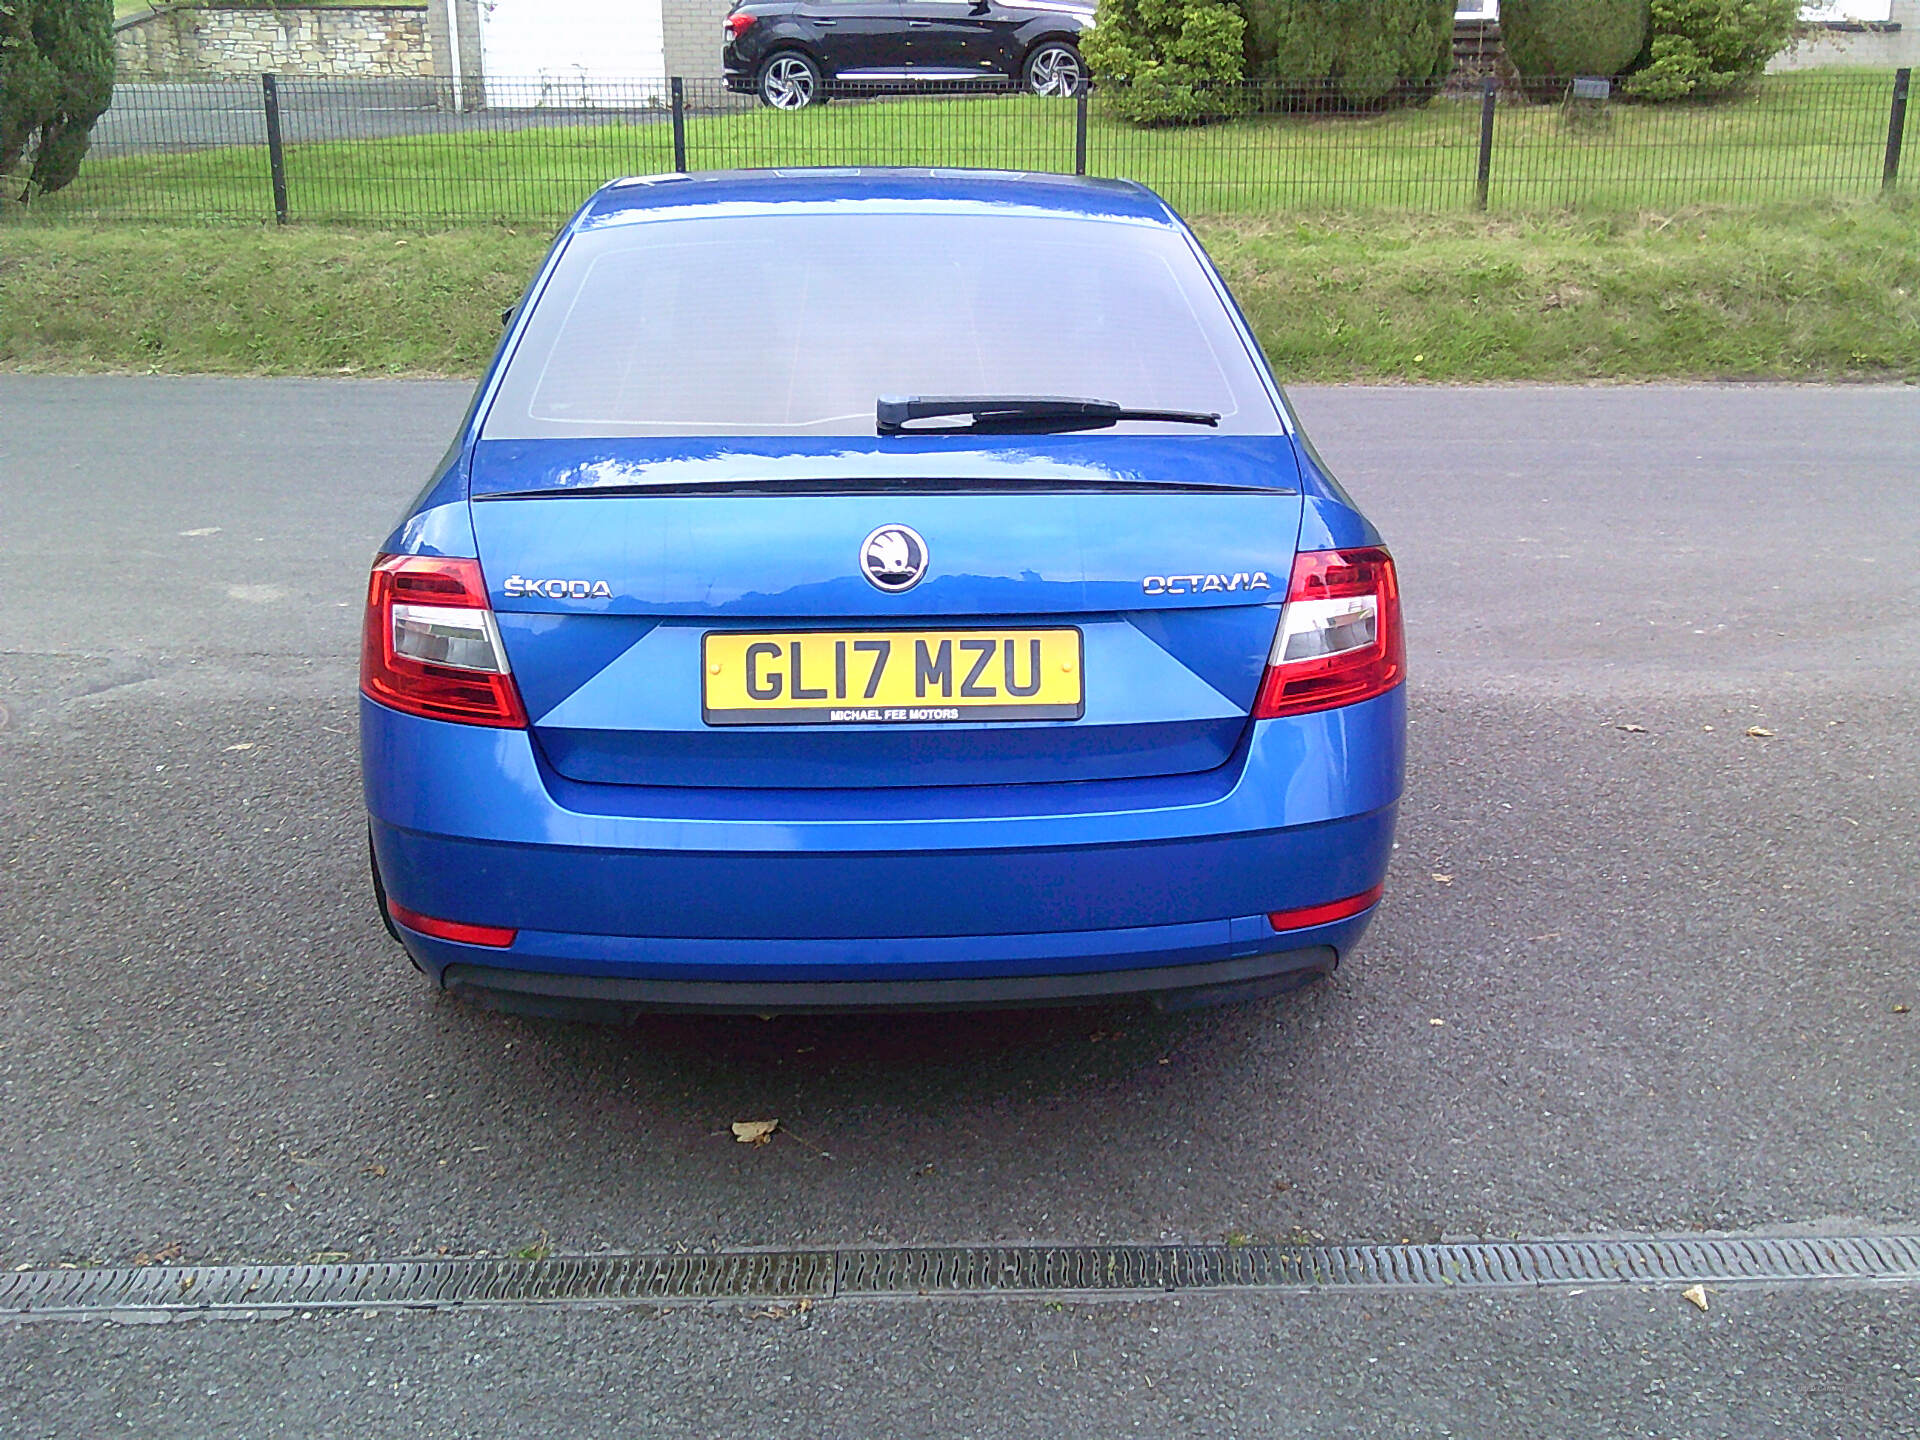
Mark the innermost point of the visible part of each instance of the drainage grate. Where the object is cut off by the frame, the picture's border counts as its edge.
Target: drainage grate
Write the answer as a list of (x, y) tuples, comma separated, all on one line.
[(956, 1270), (746, 1275)]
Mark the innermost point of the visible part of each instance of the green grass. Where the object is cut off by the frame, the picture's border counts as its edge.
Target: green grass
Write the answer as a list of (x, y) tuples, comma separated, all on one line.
[(1801, 135), (1816, 290)]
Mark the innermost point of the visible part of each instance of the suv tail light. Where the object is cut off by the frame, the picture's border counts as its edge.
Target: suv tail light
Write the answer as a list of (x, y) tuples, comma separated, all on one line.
[(738, 24), (431, 646), (1340, 640)]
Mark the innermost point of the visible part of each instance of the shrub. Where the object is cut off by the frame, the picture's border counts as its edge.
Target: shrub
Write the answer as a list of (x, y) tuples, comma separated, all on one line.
[(56, 77), (1553, 40), (1704, 47), (1166, 61), (1351, 52)]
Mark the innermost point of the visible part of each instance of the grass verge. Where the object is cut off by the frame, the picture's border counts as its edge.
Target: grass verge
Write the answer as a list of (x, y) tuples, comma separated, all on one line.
[(1809, 292)]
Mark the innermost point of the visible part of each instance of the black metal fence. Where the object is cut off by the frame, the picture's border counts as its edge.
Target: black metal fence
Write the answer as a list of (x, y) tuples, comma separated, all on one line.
[(428, 152)]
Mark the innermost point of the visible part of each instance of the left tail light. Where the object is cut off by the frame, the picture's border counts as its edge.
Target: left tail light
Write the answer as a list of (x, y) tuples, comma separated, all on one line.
[(1340, 640), (738, 24), (431, 646)]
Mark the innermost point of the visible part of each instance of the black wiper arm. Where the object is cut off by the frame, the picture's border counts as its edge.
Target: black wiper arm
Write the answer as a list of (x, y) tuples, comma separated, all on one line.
[(1016, 414)]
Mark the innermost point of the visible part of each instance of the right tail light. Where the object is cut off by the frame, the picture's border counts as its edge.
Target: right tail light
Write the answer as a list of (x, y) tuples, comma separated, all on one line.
[(1340, 640)]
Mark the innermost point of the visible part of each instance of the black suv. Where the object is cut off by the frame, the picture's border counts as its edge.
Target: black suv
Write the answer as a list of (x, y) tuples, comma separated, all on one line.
[(794, 52)]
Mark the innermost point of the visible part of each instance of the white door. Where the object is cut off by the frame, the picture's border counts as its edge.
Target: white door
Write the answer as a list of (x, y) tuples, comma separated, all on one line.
[(572, 53)]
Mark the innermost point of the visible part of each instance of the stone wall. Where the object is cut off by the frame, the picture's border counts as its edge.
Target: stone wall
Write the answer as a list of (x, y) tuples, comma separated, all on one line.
[(285, 40)]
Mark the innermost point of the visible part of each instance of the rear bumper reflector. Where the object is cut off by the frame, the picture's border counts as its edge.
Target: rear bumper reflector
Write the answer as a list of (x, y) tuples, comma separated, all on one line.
[(497, 936), (1324, 914)]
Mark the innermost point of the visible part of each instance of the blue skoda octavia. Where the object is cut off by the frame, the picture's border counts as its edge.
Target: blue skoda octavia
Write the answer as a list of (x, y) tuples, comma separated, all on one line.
[(879, 588)]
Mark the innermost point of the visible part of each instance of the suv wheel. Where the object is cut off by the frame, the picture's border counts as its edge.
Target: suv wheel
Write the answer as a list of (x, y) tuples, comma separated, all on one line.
[(789, 81), (1055, 68)]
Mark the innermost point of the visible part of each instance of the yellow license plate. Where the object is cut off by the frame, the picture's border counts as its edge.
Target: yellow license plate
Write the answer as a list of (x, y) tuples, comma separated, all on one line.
[(898, 677)]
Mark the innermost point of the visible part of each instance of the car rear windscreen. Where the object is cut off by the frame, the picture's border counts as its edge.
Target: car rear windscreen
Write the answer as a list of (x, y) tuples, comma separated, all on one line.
[(798, 323)]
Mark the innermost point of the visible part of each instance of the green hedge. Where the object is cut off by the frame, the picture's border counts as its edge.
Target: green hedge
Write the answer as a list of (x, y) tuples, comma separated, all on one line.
[(1704, 47), (1350, 52), (1553, 40), (1167, 62)]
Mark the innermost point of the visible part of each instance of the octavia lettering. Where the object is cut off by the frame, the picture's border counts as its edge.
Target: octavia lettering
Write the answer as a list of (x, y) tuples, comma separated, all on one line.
[(1205, 584)]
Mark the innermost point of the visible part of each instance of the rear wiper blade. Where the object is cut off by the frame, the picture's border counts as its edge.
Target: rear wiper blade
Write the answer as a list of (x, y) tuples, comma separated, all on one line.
[(1016, 414)]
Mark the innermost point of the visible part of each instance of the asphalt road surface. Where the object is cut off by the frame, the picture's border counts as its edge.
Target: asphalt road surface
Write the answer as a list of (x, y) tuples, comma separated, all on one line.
[(202, 114), (1647, 965)]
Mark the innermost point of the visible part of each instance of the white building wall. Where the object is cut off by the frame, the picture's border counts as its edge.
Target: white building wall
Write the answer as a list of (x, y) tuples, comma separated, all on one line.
[(1886, 35)]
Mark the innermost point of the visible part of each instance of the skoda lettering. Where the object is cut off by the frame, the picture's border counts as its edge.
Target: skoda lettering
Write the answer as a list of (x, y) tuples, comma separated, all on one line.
[(518, 588)]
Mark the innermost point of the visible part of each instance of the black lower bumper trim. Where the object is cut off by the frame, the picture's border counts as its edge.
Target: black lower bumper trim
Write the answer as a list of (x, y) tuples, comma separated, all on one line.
[(1246, 977)]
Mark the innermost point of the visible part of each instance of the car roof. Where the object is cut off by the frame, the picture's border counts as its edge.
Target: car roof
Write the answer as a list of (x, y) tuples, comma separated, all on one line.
[(982, 192)]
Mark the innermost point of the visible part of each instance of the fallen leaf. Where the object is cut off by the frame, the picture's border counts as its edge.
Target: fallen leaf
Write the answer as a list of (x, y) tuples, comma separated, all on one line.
[(1696, 1296), (1759, 733), (377, 1171), (328, 1257), (243, 745), (1903, 1009), (1442, 879), (754, 1132), (1436, 1022), (1632, 729)]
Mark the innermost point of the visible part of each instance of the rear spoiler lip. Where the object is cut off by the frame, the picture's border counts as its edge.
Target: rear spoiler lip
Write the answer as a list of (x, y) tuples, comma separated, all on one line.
[(892, 485), (853, 464)]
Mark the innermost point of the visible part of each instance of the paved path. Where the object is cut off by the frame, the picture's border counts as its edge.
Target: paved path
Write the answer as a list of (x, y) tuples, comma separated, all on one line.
[(1666, 960), (201, 114)]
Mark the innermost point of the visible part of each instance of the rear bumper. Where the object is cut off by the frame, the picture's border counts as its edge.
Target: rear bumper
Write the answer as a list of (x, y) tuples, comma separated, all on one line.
[(993, 895), (1172, 987)]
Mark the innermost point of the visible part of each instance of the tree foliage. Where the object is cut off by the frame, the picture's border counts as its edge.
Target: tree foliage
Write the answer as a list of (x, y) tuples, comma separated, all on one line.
[(56, 79), (1553, 40), (1704, 47), (1165, 62), (1350, 52)]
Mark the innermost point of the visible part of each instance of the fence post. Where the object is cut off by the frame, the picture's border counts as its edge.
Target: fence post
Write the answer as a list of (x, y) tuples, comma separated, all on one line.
[(1080, 129), (276, 152), (1896, 126), (679, 89), (1489, 97)]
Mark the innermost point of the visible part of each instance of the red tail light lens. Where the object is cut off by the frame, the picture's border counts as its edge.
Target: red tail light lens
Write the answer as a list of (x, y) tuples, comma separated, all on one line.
[(431, 646), (1340, 640), (498, 936), (738, 24)]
